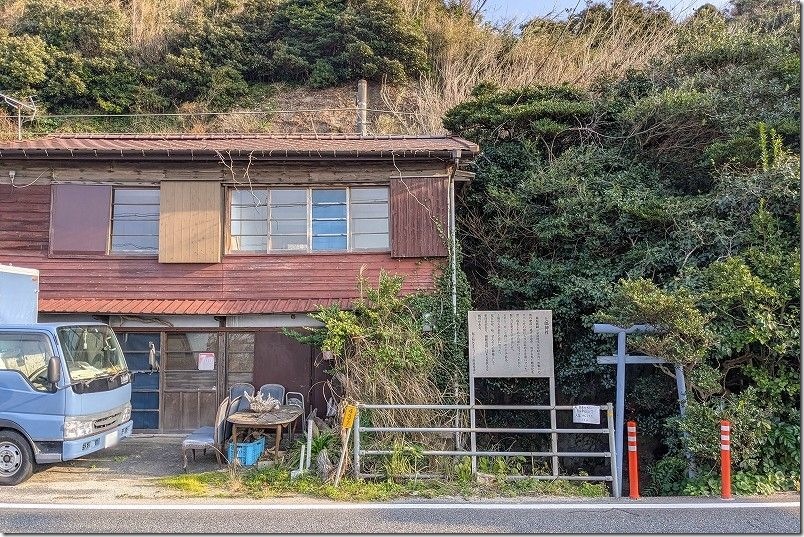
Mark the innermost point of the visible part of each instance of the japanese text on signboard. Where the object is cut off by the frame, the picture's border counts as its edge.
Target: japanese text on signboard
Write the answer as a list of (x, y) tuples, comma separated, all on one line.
[(511, 343)]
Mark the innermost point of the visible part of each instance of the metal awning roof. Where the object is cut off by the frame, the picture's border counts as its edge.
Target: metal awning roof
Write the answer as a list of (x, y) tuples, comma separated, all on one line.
[(184, 307)]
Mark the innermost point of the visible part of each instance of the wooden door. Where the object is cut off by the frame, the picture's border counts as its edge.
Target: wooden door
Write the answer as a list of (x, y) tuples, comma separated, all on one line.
[(189, 394), (282, 360)]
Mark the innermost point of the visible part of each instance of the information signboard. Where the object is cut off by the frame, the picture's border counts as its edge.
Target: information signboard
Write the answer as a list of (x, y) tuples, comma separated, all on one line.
[(511, 343)]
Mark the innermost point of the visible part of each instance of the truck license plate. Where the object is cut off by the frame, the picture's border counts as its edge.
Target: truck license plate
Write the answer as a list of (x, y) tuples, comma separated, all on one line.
[(110, 439)]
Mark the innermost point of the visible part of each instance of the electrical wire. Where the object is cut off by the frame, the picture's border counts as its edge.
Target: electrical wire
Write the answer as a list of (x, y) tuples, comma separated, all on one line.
[(25, 185), (195, 114)]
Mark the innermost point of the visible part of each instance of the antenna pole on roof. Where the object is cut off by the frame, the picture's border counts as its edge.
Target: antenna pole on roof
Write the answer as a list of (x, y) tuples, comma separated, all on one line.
[(19, 105), (362, 105)]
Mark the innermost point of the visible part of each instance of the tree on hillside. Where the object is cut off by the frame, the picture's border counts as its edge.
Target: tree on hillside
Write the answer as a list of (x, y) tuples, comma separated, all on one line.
[(204, 60), (669, 196), (326, 42), (85, 55)]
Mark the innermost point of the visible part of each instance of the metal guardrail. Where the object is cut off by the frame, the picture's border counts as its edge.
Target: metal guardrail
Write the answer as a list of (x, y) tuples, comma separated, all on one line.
[(554, 455)]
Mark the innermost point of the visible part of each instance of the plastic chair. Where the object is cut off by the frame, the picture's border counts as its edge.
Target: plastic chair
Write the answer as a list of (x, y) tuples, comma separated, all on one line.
[(234, 406), (237, 391), (277, 391), (208, 437), (296, 398)]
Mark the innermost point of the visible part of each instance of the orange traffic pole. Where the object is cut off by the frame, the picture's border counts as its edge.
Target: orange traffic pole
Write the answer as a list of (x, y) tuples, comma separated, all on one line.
[(725, 460), (633, 470)]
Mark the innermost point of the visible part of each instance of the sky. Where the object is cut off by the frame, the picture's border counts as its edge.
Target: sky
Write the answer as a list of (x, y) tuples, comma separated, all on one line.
[(522, 10)]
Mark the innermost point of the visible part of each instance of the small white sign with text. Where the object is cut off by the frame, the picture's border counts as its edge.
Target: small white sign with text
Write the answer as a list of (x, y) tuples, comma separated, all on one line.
[(586, 414), (206, 361)]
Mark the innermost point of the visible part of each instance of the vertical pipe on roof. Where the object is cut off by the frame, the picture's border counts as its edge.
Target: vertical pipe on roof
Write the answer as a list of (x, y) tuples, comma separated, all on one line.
[(362, 105)]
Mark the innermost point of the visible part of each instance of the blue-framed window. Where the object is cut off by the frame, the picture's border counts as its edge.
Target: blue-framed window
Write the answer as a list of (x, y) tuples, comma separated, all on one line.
[(135, 220), (309, 219)]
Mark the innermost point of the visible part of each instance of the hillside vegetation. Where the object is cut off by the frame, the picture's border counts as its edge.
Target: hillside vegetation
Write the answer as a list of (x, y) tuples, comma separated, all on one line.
[(668, 196), (196, 56)]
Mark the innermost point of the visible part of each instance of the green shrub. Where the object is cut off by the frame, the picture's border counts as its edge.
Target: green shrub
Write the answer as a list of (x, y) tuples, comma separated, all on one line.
[(744, 483), (226, 87), (322, 75), (23, 62), (667, 476), (326, 42), (90, 30), (86, 57)]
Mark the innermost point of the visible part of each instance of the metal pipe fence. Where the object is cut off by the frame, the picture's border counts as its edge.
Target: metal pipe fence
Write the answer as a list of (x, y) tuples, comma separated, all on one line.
[(554, 454)]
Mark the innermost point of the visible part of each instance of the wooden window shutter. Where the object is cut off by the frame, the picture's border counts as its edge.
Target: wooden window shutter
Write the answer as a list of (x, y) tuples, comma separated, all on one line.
[(190, 216), (419, 217), (80, 218)]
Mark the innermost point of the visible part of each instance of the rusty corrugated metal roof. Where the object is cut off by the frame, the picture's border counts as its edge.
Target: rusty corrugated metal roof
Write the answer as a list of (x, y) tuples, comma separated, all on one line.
[(263, 146), (184, 307)]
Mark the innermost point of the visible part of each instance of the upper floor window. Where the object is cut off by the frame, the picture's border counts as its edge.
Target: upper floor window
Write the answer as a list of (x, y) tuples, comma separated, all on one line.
[(135, 220), (309, 219)]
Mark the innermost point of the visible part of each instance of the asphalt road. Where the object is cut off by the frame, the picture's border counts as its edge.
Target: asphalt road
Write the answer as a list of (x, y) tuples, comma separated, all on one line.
[(533, 516)]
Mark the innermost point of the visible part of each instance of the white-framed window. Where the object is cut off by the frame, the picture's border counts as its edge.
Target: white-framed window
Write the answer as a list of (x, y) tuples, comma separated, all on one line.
[(309, 219), (135, 220)]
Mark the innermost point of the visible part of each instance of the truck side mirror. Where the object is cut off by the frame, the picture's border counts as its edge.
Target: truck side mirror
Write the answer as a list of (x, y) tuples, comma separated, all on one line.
[(53, 372)]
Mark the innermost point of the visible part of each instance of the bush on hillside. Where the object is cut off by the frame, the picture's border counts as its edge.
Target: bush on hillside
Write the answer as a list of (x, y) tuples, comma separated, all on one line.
[(326, 42)]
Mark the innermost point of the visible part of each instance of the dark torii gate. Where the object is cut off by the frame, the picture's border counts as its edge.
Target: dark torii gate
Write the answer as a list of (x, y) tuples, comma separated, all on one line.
[(621, 359)]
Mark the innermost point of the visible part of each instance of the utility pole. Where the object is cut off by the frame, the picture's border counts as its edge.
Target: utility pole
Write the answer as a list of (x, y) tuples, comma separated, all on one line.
[(362, 105)]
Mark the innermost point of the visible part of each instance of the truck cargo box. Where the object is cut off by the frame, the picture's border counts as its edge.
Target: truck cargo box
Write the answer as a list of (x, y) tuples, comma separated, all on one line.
[(19, 295)]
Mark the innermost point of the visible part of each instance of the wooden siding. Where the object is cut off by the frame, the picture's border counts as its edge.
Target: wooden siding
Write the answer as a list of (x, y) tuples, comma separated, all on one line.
[(152, 173), (190, 228), (282, 360), (419, 211), (80, 219), (268, 277), (24, 218)]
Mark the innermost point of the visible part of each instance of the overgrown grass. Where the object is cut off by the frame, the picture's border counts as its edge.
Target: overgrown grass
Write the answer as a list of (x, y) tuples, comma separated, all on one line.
[(197, 484), (276, 482), (382, 356), (463, 53)]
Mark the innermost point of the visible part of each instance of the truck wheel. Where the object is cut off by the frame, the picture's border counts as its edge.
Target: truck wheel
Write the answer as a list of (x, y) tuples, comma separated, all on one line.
[(16, 458)]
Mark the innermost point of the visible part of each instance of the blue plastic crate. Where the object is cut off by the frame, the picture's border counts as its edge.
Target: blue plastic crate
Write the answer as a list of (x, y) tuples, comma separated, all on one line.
[(248, 452)]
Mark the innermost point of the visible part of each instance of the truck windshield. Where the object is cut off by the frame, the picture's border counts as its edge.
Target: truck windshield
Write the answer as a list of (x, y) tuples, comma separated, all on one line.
[(91, 352)]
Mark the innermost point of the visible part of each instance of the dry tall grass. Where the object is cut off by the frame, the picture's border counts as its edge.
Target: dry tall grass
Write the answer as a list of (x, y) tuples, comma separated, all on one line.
[(151, 21), (464, 54), (10, 13)]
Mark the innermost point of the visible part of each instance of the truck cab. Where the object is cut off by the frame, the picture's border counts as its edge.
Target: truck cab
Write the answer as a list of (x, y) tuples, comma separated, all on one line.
[(65, 391)]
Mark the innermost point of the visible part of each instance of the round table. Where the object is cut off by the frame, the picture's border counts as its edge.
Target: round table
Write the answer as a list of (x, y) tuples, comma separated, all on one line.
[(276, 419)]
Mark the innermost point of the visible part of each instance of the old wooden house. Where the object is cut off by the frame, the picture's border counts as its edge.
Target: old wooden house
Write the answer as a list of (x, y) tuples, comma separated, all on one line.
[(190, 244)]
